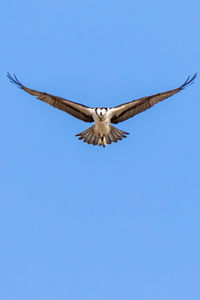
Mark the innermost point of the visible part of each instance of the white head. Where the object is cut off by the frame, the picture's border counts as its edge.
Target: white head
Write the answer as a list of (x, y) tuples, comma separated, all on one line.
[(101, 113)]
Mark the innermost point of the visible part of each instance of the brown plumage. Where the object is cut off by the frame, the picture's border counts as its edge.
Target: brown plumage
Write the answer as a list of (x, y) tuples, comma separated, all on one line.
[(75, 109), (89, 136), (129, 109), (102, 132)]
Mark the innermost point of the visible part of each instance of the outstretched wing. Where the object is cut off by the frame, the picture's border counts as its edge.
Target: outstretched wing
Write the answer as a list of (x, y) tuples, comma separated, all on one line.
[(127, 110), (77, 110)]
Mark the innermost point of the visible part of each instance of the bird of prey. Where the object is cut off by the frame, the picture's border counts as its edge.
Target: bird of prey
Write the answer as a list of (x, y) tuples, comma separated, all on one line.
[(102, 132)]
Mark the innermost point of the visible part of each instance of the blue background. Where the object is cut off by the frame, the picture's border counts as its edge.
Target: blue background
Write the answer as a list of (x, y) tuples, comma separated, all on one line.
[(83, 222)]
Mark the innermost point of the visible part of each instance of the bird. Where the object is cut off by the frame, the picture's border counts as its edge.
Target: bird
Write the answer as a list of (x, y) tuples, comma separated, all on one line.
[(102, 132)]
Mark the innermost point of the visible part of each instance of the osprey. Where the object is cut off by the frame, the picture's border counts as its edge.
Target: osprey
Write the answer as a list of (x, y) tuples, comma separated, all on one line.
[(102, 132)]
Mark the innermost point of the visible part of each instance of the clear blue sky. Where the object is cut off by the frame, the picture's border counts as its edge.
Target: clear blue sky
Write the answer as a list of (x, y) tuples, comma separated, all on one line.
[(83, 222)]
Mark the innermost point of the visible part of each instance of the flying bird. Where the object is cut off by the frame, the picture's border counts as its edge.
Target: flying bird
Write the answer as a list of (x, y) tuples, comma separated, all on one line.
[(102, 132)]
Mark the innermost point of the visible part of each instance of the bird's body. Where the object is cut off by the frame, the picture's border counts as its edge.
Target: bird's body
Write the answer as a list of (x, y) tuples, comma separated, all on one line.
[(102, 132), (102, 124)]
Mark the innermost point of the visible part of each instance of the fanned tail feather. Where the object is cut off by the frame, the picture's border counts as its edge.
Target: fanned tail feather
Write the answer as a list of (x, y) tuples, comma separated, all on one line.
[(117, 134), (88, 136)]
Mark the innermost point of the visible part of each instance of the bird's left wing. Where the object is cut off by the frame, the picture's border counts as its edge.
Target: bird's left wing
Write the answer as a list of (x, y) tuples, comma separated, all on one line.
[(77, 110), (127, 110)]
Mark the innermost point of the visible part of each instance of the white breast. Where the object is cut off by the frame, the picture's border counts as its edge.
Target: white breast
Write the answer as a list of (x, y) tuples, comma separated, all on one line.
[(102, 127)]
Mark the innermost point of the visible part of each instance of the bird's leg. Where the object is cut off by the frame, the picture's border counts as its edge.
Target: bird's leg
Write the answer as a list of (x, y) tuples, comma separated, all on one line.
[(99, 141), (104, 141)]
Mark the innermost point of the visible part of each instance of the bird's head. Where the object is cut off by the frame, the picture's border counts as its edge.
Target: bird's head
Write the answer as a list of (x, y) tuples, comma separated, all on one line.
[(101, 113)]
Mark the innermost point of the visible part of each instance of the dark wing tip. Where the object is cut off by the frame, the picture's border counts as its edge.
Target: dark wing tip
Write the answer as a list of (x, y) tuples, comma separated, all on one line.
[(14, 80), (189, 81)]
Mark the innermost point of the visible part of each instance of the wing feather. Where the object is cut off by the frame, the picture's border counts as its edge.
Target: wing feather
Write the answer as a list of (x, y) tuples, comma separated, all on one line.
[(77, 110), (127, 110)]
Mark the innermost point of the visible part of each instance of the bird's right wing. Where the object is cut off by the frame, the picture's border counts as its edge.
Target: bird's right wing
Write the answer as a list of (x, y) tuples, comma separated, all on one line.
[(77, 110)]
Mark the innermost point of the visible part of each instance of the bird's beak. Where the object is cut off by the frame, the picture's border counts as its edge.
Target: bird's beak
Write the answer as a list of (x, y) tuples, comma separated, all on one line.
[(101, 118)]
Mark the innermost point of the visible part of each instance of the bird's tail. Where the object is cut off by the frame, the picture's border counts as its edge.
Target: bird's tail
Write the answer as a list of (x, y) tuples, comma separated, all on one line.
[(89, 136), (115, 135)]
